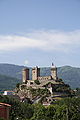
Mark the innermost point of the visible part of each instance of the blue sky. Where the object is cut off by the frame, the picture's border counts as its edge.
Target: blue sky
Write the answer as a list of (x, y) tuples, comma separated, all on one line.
[(38, 32)]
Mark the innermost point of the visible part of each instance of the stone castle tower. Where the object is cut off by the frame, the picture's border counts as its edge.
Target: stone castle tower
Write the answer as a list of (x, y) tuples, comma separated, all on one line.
[(35, 73), (25, 74), (54, 72)]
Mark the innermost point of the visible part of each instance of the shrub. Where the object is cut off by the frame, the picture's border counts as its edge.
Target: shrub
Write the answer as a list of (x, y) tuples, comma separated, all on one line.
[(37, 82)]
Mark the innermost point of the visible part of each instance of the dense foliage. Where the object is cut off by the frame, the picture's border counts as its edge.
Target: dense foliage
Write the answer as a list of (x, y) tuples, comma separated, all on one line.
[(39, 92), (18, 109), (65, 109), (63, 88)]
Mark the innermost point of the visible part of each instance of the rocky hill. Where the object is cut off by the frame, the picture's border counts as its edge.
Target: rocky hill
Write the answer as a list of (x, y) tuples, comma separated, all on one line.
[(12, 74)]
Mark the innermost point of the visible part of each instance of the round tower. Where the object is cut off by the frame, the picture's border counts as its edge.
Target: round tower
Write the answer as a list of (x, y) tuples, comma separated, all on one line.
[(25, 74), (54, 72)]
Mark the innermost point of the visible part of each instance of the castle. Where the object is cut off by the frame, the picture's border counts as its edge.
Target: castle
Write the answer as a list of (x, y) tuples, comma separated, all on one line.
[(45, 88), (43, 80), (36, 74)]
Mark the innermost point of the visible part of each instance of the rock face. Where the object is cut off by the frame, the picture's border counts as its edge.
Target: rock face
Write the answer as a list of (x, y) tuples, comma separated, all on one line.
[(49, 93)]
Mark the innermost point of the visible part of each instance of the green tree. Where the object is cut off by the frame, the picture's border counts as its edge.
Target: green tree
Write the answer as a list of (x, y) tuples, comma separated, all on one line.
[(72, 107), (17, 85), (40, 113), (50, 112), (37, 82), (61, 113)]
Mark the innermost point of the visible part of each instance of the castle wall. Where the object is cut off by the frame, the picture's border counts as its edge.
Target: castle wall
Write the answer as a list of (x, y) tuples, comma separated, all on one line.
[(44, 78)]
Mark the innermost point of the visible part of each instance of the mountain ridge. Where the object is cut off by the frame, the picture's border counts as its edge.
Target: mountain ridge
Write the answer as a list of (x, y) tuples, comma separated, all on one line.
[(69, 74)]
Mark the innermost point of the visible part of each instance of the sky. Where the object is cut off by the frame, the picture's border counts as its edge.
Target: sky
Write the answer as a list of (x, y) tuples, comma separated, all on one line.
[(39, 32)]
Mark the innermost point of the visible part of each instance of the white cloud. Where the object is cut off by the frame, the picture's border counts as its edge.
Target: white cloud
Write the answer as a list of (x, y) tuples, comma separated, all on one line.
[(16, 42), (45, 40)]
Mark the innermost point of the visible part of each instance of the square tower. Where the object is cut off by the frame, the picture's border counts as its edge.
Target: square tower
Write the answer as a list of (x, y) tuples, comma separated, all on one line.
[(35, 73), (54, 72)]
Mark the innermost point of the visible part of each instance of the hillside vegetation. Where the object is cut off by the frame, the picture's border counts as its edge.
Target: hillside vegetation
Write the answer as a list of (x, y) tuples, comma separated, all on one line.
[(12, 74), (8, 83), (65, 109)]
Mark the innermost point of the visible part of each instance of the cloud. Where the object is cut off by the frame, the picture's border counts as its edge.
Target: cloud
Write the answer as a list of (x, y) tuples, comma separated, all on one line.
[(44, 40), (17, 42)]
